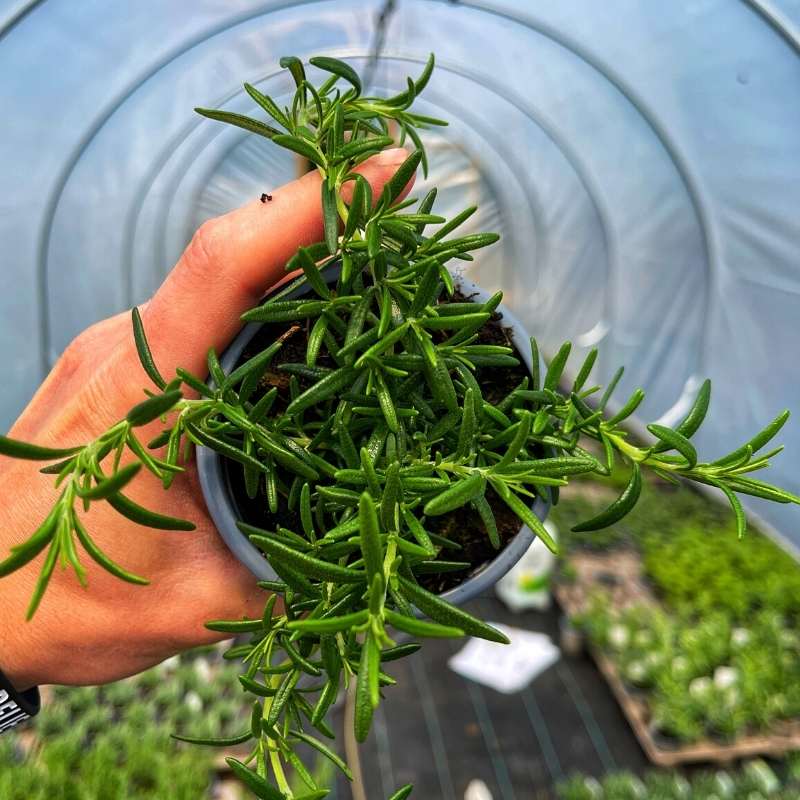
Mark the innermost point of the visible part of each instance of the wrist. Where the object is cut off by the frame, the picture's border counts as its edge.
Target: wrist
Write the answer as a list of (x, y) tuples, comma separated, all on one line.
[(16, 706)]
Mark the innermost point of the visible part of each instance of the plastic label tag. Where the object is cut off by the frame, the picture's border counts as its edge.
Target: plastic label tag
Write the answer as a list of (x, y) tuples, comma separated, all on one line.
[(507, 668)]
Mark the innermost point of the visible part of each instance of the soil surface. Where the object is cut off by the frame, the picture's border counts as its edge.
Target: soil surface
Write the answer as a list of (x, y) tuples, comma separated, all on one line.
[(463, 525)]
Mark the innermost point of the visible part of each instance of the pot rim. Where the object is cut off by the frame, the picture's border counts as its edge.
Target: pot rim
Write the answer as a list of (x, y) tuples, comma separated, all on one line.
[(217, 495)]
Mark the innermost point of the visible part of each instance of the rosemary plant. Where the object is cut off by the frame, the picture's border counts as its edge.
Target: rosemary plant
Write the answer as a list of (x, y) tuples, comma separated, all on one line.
[(383, 426)]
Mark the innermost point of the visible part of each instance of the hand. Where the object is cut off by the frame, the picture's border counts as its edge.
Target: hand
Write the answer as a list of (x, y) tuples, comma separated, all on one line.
[(114, 629)]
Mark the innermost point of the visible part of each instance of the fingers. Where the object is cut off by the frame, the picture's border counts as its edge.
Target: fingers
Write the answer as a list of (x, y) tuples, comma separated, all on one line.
[(233, 260)]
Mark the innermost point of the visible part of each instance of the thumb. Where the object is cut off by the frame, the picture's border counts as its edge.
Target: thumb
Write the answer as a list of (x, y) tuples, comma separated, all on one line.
[(233, 259)]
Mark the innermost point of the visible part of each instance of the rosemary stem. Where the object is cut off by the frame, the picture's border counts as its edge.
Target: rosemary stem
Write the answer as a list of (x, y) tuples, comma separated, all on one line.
[(272, 746)]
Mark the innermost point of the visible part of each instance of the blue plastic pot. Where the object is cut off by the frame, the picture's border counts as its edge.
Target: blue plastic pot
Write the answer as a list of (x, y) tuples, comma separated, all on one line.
[(223, 509)]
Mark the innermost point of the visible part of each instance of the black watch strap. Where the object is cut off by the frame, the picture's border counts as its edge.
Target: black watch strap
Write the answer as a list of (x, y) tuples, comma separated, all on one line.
[(16, 707)]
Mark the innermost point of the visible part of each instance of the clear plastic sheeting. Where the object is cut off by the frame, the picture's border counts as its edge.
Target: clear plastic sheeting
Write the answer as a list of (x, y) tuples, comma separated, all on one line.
[(642, 161)]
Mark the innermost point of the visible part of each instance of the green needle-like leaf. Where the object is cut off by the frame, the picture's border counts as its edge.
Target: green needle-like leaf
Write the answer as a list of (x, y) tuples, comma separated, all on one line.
[(301, 147), (235, 625), (153, 408), (338, 68), (419, 627), (29, 549), (370, 536), (229, 741), (240, 121), (556, 367), (43, 580), (459, 494), (694, 419), (619, 508), (523, 511), (736, 505), (143, 349), (395, 185), (33, 452), (103, 560), (255, 365), (268, 104), (366, 688), (391, 496), (383, 344), (323, 749), (585, 370), (446, 614), (253, 781), (111, 485), (221, 446), (304, 564), (481, 505), (387, 403), (757, 442), (675, 441), (633, 403), (523, 431), (330, 218), (322, 390), (151, 519), (330, 624), (295, 66), (610, 388)]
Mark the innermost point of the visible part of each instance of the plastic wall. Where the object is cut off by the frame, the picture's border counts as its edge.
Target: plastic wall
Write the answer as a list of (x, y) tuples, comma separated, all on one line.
[(641, 159)]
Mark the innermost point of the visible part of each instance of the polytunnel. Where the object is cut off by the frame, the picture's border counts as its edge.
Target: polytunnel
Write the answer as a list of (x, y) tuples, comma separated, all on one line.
[(641, 161)]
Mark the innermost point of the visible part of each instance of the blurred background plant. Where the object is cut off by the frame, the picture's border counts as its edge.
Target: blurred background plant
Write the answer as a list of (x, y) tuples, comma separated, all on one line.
[(756, 780), (719, 653), (114, 742)]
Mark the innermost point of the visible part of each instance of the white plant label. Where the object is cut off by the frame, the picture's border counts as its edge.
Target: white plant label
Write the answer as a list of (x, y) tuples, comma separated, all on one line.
[(507, 668)]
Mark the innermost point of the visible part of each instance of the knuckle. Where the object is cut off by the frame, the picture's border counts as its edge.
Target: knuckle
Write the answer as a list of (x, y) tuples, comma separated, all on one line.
[(204, 248), (121, 375), (109, 390), (83, 350), (75, 355)]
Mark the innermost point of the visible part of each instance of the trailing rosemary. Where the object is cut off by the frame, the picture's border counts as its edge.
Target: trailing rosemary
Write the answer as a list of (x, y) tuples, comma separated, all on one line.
[(382, 427)]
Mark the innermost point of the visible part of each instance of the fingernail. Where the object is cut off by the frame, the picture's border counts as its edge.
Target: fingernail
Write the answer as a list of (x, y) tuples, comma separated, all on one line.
[(395, 155)]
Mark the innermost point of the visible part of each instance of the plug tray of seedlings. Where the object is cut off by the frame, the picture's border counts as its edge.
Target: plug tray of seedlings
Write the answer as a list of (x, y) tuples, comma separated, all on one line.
[(619, 575), (195, 694)]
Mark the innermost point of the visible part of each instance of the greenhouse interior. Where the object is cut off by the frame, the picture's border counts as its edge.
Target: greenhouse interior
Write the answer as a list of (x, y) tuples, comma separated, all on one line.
[(495, 566)]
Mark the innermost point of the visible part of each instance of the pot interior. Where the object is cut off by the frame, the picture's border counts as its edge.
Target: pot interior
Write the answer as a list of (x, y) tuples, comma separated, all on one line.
[(463, 527)]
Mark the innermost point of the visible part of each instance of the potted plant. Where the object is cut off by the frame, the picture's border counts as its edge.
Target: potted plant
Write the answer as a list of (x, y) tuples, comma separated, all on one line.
[(393, 434)]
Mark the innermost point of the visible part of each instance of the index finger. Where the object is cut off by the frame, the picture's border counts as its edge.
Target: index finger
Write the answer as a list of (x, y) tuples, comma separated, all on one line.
[(232, 260)]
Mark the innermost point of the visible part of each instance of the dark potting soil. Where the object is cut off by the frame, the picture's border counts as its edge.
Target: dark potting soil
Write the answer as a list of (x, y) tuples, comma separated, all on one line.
[(461, 526)]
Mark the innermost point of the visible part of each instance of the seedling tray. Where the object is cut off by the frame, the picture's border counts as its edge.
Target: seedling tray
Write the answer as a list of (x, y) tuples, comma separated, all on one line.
[(629, 587), (218, 676), (782, 740)]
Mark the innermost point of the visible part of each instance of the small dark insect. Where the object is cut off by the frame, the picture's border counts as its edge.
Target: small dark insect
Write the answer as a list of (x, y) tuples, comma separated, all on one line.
[(265, 198)]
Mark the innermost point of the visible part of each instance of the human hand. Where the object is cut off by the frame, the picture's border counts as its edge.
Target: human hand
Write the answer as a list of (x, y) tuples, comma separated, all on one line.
[(117, 629)]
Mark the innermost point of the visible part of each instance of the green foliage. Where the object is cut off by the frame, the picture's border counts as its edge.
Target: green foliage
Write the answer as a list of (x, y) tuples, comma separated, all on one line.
[(701, 568), (113, 742), (704, 676), (137, 767), (384, 426), (756, 780), (691, 554)]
